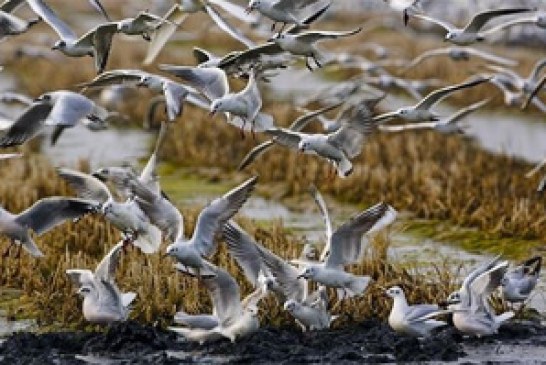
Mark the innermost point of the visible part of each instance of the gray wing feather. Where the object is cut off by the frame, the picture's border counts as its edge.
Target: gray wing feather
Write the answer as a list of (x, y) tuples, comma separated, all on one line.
[(48, 213), (214, 216), (86, 186), (27, 125)]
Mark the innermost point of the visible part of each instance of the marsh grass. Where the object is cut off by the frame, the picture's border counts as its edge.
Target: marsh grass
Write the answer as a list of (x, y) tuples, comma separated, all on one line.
[(49, 296)]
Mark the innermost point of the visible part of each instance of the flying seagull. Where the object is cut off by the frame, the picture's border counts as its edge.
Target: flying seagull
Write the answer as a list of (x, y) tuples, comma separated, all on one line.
[(103, 302), (40, 218), (95, 43), (280, 11), (421, 112), (61, 109), (212, 218), (518, 283), (235, 318), (178, 14), (472, 32), (126, 216)]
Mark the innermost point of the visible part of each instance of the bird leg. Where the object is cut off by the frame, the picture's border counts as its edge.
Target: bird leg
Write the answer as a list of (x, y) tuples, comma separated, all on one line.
[(243, 128), (128, 238), (18, 254), (146, 36), (280, 30), (273, 26), (252, 131), (316, 60), (308, 65)]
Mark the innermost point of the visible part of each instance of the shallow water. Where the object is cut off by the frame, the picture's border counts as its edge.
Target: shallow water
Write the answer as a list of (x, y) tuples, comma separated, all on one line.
[(109, 147), (505, 131)]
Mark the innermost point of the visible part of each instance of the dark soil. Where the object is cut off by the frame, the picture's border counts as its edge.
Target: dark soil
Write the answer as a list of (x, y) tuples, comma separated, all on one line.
[(368, 342)]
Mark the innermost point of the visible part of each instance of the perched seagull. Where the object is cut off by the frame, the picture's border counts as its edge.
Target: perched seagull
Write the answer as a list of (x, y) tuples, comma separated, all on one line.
[(280, 11), (41, 217), (339, 147), (146, 191), (460, 54), (103, 303), (61, 109), (344, 247), (518, 283), (421, 112), (448, 125), (95, 43), (413, 320), (296, 126), (211, 219), (175, 93), (126, 216), (472, 313), (11, 25), (178, 14), (471, 33), (235, 318)]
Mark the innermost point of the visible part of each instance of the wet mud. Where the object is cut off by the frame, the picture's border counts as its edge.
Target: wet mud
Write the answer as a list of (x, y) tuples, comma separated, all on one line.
[(367, 342)]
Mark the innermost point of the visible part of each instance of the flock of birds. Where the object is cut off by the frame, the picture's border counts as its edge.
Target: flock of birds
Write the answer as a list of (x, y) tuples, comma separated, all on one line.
[(146, 217)]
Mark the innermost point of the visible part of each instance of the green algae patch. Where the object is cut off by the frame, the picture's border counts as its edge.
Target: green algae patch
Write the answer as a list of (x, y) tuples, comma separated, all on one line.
[(473, 240)]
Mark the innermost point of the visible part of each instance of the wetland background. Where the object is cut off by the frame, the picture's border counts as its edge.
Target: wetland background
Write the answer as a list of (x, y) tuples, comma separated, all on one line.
[(462, 199)]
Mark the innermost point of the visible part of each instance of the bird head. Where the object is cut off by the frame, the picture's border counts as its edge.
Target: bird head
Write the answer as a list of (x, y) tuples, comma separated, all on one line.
[(450, 36), (395, 292), (304, 146), (107, 208), (84, 291), (307, 273), (59, 45), (215, 107), (253, 5), (172, 250), (290, 305), (454, 298)]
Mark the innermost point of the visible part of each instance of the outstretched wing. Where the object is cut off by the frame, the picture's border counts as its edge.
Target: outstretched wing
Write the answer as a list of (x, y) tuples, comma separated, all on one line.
[(86, 186), (214, 216), (48, 213)]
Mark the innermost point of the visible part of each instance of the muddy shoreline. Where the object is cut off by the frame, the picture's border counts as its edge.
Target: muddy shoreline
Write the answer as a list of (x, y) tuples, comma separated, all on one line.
[(367, 342)]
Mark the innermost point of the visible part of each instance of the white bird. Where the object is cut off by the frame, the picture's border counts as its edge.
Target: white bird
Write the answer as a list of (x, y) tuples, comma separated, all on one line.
[(95, 43), (519, 282), (61, 109), (472, 32), (212, 218), (179, 13), (280, 11), (103, 303), (414, 320), (303, 44), (40, 218), (126, 216), (447, 125), (146, 192), (11, 25), (345, 247), (421, 112), (263, 268), (236, 318), (175, 93), (311, 314), (460, 54), (339, 147), (296, 126), (472, 313)]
